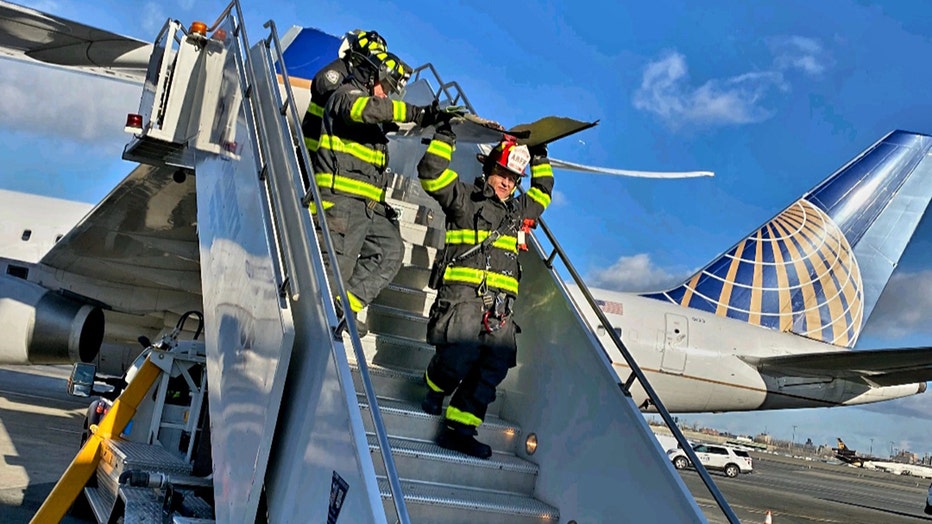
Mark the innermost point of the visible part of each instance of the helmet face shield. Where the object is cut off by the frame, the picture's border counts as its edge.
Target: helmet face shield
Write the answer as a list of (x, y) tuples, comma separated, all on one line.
[(393, 74)]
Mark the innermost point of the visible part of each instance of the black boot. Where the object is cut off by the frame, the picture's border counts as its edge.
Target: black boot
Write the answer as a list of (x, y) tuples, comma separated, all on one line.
[(432, 403), (361, 327), (460, 437)]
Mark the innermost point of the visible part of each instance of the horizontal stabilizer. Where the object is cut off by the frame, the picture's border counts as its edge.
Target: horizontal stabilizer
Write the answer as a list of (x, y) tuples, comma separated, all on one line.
[(876, 367)]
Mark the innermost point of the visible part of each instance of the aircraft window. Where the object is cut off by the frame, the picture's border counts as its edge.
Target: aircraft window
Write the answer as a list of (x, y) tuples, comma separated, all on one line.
[(26, 234), (17, 271)]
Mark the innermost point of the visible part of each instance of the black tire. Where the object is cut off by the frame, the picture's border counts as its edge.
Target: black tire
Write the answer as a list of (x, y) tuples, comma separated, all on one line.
[(680, 462), (928, 509), (731, 470)]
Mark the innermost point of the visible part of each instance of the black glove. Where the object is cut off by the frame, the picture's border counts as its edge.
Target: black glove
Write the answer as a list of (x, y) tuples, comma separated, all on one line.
[(538, 150), (429, 115)]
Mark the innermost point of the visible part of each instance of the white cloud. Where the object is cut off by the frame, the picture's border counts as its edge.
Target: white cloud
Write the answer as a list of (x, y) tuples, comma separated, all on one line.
[(558, 198), (58, 103), (635, 274), (666, 91), (903, 308), (799, 52)]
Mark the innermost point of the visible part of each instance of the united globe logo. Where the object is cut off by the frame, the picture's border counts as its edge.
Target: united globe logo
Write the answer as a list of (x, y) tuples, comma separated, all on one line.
[(796, 273)]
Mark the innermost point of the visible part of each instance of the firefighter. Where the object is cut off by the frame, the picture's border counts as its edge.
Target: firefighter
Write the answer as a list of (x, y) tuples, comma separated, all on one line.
[(477, 278), (350, 171), (356, 45)]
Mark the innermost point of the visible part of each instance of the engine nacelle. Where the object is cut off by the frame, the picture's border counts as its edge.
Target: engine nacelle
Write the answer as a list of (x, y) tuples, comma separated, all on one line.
[(42, 327)]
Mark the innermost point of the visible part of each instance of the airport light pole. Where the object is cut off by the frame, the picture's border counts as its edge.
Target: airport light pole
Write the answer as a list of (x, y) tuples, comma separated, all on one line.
[(871, 452), (794, 438), (891, 449)]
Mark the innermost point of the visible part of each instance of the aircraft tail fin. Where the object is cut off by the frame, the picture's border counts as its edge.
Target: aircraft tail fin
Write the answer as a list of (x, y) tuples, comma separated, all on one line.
[(818, 268)]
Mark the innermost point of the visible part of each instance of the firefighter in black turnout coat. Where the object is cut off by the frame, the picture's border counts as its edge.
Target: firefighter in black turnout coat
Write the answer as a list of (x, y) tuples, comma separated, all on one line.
[(356, 46), (478, 273), (350, 171)]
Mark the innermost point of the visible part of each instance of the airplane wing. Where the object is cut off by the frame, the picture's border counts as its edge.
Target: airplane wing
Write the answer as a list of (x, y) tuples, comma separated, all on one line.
[(876, 367), (32, 36), (136, 252)]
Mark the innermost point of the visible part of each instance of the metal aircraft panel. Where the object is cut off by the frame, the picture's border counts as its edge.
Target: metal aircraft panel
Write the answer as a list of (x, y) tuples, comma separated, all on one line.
[(43, 38)]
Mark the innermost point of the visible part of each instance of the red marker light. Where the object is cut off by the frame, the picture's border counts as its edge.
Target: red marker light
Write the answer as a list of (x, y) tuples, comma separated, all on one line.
[(133, 123)]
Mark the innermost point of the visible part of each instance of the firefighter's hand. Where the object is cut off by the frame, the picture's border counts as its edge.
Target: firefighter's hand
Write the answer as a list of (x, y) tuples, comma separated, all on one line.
[(429, 115), (538, 150)]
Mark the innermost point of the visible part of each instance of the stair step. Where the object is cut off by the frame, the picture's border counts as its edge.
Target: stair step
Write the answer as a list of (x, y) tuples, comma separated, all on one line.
[(406, 385), (442, 504), (428, 462), (414, 300), (413, 276), (396, 352), (398, 322), (417, 255), (407, 420)]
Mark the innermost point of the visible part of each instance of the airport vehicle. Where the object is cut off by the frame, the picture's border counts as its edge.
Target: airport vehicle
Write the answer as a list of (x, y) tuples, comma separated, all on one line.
[(728, 460)]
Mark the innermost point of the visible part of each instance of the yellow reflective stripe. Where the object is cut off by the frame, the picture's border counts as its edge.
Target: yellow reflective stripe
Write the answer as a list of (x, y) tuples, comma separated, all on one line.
[(349, 185), (312, 206), (311, 144), (539, 196), (431, 385), (315, 110), (541, 170), (472, 237), (463, 417), (358, 106), (366, 154), (441, 149), (446, 178), (399, 110), (475, 277), (355, 304)]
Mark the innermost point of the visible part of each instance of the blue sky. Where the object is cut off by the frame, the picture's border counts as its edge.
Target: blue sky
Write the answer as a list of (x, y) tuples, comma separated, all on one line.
[(772, 96)]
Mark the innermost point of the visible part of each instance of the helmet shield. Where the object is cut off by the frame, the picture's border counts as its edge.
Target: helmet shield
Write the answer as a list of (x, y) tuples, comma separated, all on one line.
[(394, 74)]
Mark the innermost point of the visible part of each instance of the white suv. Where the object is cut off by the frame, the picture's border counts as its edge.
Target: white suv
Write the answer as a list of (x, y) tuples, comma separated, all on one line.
[(714, 457)]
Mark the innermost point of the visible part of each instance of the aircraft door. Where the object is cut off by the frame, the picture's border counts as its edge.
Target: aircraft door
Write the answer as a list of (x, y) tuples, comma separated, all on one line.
[(674, 347)]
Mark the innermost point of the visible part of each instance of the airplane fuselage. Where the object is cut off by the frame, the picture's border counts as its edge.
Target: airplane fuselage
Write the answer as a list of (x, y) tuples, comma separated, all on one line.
[(698, 361)]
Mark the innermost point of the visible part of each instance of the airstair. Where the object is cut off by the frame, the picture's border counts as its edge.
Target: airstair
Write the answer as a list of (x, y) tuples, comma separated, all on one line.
[(309, 422)]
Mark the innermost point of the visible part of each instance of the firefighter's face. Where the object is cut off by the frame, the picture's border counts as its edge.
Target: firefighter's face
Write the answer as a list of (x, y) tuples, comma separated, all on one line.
[(378, 90), (502, 183)]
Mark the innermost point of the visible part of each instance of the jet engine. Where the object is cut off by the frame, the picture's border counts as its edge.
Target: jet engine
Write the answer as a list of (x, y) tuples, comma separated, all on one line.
[(43, 327)]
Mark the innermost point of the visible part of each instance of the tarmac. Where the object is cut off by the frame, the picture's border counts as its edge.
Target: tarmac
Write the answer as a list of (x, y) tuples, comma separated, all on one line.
[(40, 429)]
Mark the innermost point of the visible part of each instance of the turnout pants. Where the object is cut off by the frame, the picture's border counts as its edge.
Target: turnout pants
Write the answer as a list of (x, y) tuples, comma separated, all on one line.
[(469, 362), (367, 246)]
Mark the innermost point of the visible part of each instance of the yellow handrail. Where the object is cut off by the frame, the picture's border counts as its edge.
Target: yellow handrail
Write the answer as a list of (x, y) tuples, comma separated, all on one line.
[(84, 465)]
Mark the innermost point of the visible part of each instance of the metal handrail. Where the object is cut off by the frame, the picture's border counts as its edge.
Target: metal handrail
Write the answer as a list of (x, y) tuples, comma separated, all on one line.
[(636, 372), (294, 124)]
